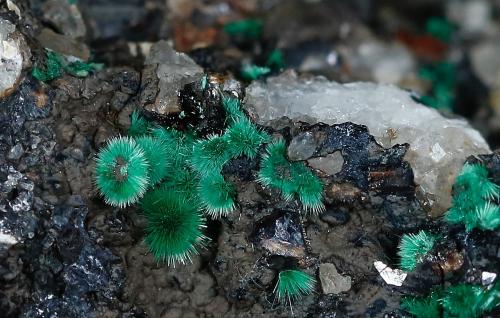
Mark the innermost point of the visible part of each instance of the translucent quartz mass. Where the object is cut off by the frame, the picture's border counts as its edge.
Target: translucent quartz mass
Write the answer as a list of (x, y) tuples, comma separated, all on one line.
[(438, 145), (11, 58)]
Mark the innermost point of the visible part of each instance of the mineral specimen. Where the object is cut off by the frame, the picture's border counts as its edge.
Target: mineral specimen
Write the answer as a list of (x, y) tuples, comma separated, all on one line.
[(14, 54), (391, 276), (166, 72), (438, 145), (331, 281), (66, 17)]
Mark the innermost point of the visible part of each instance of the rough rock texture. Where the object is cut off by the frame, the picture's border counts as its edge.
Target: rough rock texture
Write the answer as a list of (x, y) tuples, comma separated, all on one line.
[(331, 281), (65, 253), (51, 264), (438, 145), (165, 74), (63, 44), (14, 55), (71, 269), (66, 17), (369, 200)]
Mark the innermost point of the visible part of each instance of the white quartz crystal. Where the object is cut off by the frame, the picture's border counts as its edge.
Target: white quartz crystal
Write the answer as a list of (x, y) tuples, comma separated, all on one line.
[(438, 145), (11, 57), (391, 276), (7, 239), (487, 278)]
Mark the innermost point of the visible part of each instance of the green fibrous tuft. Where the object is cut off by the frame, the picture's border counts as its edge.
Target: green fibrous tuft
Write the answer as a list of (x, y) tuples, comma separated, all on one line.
[(216, 195), (209, 155), (293, 284), (471, 204), (232, 106), (139, 126), (122, 172), (413, 249), (290, 178), (423, 307), (182, 180), (309, 188), (488, 216), (252, 72), (474, 179), (172, 138), (463, 207), (275, 168), (179, 144), (460, 301), (491, 298), (174, 226), (156, 154), (463, 301), (244, 138)]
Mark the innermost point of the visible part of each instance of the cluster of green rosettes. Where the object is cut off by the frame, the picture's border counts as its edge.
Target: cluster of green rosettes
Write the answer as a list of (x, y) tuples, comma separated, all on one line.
[(291, 178), (461, 301), (473, 205), (473, 198), (177, 178)]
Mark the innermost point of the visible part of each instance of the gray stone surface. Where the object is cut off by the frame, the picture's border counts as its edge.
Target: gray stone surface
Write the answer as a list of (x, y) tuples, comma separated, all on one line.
[(15, 152), (330, 164), (66, 17), (331, 281), (166, 72), (302, 147), (63, 44)]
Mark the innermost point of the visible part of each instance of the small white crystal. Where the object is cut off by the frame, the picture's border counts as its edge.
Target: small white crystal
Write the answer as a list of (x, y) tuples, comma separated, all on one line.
[(437, 153), (7, 239), (391, 276), (438, 145), (13, 7), (487, 278)]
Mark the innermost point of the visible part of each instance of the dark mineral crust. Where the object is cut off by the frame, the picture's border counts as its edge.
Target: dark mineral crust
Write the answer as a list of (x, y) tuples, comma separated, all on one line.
[(65, 253)]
